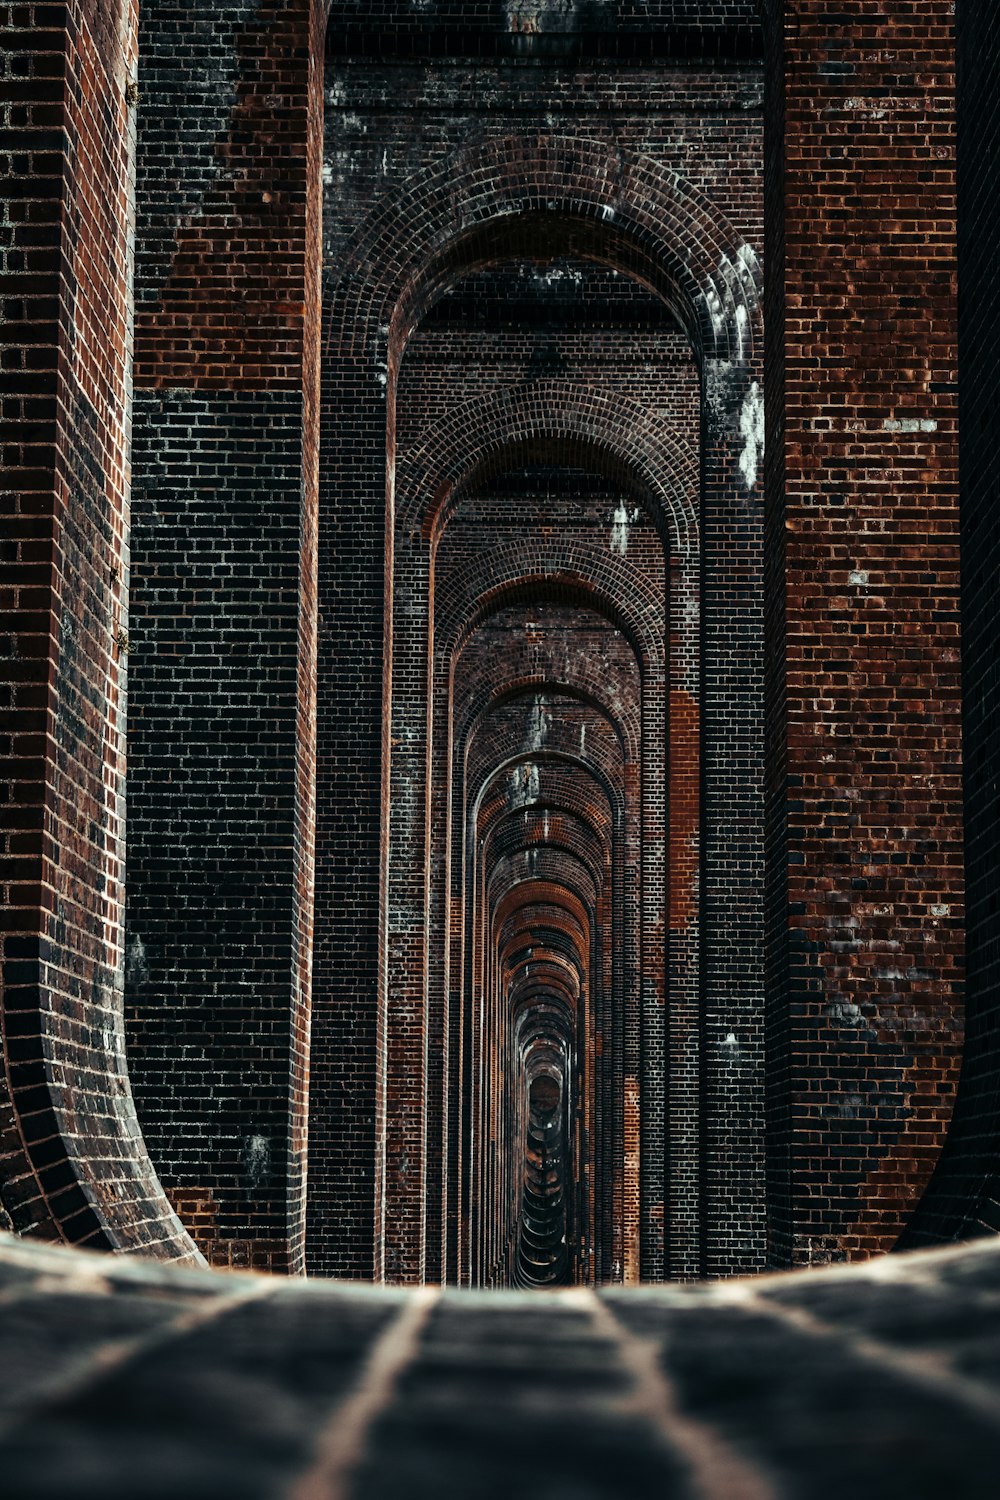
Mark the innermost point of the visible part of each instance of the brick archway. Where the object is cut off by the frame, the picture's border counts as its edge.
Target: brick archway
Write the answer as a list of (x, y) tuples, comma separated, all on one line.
[(470, 445), (484, 203), (616, 437), (475, 208)]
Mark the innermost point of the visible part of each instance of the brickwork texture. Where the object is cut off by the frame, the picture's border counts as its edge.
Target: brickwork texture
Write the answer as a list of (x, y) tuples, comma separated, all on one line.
[(499, 634)]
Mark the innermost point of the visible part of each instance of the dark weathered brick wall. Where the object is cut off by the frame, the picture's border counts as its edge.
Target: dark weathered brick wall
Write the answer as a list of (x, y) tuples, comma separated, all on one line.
[(223, 604), (864, 692), (212, 699), (777, 1050), (73, 1162)]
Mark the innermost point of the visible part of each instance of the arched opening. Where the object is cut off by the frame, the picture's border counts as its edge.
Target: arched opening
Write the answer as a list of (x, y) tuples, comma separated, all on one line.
[(553, 478)]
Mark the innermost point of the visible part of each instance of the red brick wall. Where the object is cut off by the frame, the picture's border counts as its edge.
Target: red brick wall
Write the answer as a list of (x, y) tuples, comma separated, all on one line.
[(866, 817), (231, 310), (73, 1162)]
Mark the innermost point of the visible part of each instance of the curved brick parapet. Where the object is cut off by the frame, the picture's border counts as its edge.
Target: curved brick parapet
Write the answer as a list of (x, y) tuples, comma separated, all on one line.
[(134, 1379)]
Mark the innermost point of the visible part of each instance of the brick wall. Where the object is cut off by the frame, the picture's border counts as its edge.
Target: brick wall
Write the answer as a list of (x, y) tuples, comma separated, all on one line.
[(223, 614), (964, 1198), (484, 179), (73, 1162), (424, 163), (867, 900)]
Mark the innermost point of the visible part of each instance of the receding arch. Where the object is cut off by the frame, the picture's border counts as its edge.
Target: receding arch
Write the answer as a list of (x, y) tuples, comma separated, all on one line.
[(436, 230), (614, 436), (476, 207), (505, 581)]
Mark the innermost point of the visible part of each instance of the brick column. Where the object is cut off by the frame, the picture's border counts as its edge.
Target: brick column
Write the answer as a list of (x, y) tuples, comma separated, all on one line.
[(866, 879), (72, 1161), (964, 1198), (221, 721)]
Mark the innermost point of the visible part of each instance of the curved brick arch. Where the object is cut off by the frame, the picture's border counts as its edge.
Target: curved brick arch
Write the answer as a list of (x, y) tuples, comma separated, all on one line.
[(503, 580), (535, 860), (559, 895), (543, 924), (536, 864), (650, 648), (608, 1008), (557, 992), (555, 954), (627, 1250), (490, 801), (566, 801), (509, 834), (533, 942), (618, 437), (539, 1021), (553, 924), (556, 980), (539, 926), (517, 690), (564, 838), (633, 212), (581, 809), (551, 941), (559, 878), (532, 828), (592, 431), (553, 977), (516, 909), (497, 739), (559, 956), (534, 1008), (481, 807), (554, 872), (549, 913), (414, 1009), (543, 1014)]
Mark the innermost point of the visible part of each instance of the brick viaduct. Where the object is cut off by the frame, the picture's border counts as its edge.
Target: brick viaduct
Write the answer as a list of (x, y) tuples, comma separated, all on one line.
[(539, 854)]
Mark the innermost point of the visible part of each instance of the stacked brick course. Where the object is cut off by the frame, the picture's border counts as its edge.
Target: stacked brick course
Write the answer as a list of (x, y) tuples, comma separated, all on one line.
[(864, 688), (73, 1161), (223, 613)]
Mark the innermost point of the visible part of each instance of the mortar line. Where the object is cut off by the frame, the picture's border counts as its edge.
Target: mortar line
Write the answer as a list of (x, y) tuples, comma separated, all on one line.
[(112, 1356), (716, 1468), (934, 1373), (341, 1445)]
